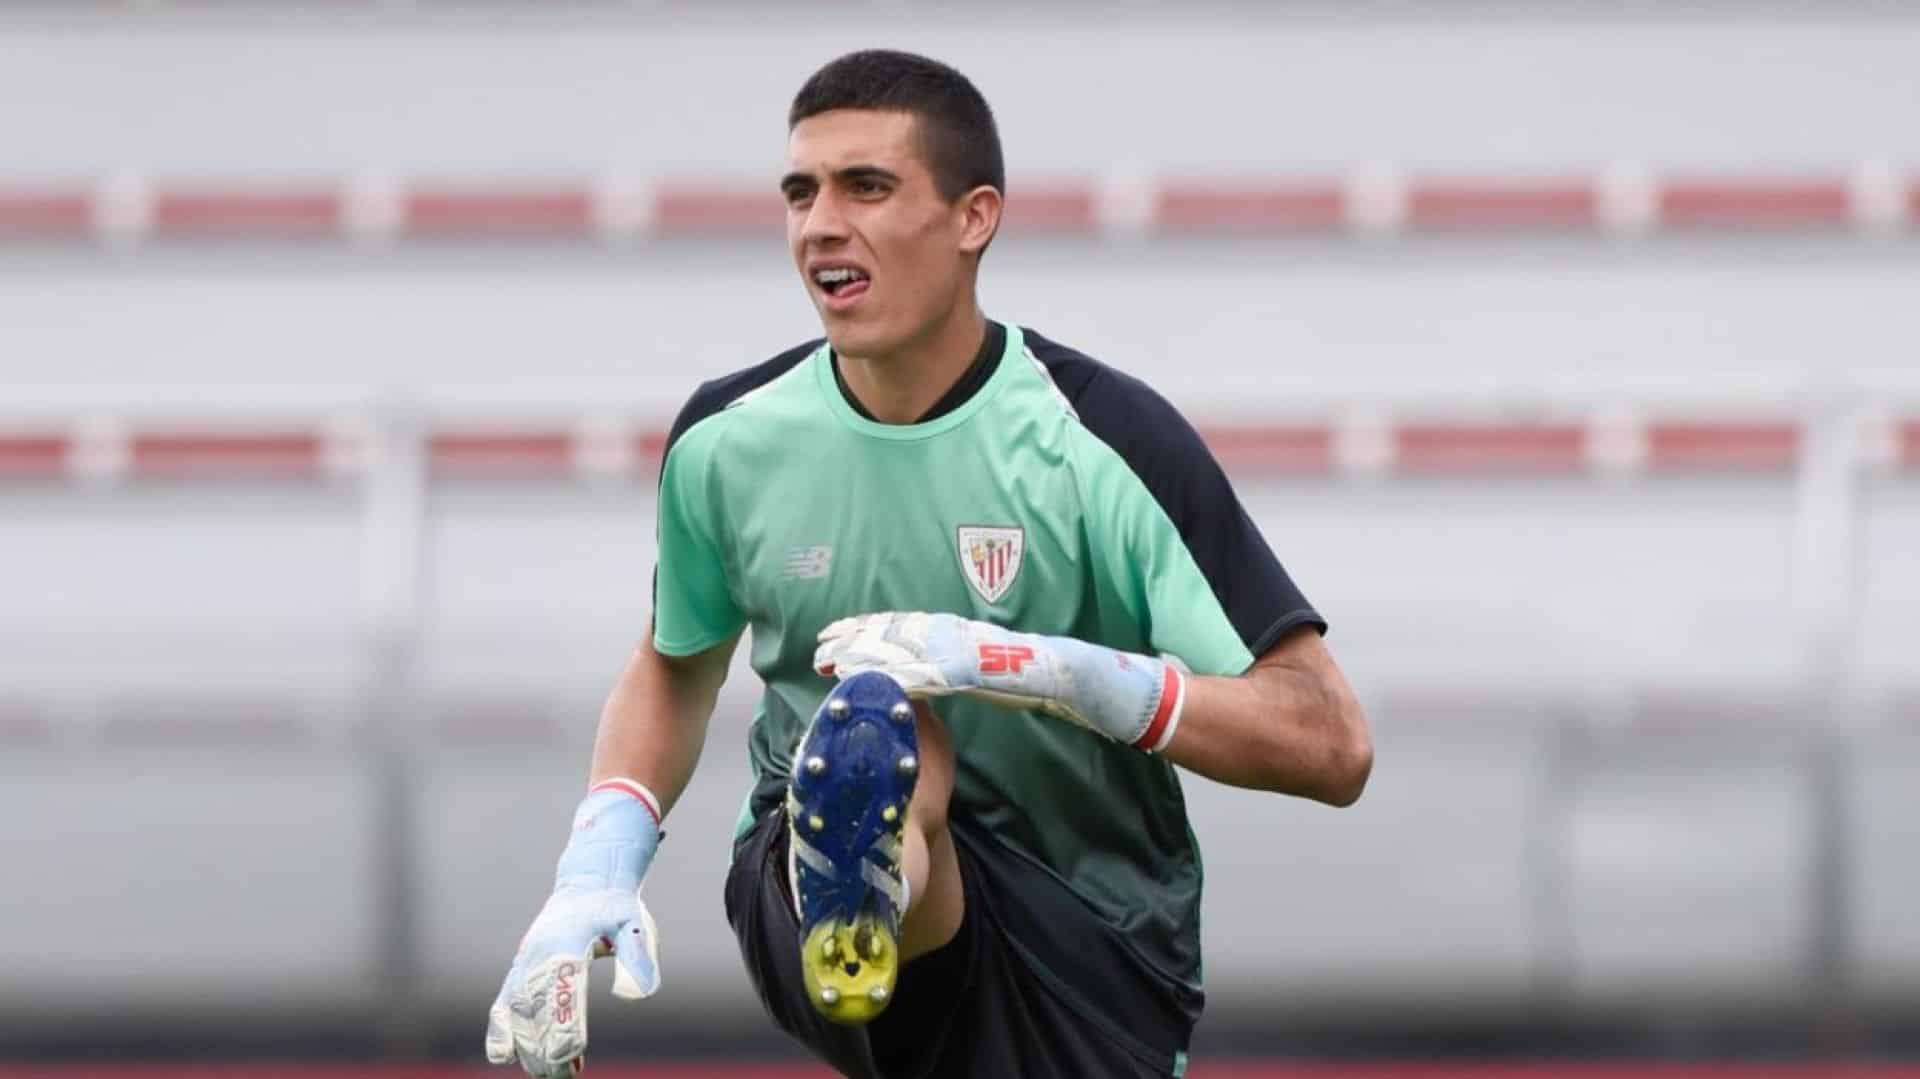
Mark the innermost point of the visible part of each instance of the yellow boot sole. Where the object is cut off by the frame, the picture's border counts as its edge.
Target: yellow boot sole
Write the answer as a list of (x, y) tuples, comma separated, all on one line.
[(850, 968)]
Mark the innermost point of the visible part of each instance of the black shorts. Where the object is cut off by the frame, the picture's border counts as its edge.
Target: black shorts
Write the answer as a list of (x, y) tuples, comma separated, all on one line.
[(1034, 984)]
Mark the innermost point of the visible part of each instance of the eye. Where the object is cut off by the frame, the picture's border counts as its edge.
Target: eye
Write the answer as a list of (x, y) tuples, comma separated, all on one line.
[(869, 188)]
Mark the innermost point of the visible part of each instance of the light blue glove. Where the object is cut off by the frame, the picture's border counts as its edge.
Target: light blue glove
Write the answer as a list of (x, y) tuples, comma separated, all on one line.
[(540, 1016), (1129, 698)]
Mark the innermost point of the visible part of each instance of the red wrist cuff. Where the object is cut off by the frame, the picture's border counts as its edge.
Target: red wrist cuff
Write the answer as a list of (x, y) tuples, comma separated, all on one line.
[(632, 788), (1173, 699)]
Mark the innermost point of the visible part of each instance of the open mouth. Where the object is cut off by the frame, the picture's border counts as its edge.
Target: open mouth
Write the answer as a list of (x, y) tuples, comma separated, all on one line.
[(841, 282)]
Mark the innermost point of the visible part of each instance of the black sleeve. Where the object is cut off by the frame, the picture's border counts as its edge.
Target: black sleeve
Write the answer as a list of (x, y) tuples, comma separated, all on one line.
[(1170, 458), (717, 394)]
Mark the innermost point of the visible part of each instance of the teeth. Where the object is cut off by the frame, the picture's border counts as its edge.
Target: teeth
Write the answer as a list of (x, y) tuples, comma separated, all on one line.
[(838, 275)]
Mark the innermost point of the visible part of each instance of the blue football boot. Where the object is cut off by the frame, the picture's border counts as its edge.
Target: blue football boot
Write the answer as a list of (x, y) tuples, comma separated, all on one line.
[(853, 775)]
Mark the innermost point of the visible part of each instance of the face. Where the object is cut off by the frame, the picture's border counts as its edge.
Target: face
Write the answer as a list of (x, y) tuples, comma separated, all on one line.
[(884, 257)]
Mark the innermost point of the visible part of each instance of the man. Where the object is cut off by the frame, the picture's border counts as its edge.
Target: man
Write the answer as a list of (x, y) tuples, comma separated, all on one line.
[(933, 506)]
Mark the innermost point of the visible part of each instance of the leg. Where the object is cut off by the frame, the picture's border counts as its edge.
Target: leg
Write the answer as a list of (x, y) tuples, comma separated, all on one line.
[(936, 902), (1096, 1011), (1101, 1013), (1007, 1024)]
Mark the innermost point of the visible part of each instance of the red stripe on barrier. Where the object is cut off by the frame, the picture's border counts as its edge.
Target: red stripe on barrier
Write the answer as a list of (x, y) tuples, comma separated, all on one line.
[(1434, 448), (555, 453), (494, 455), (1755, 204), (446, 213), (1435, 204), (33, 456), (50, 215), (650, 447), (1755, 447), (691, 208), (190, 213), (1226, 208), (1281, 450), (1057, 207), (1908, 437), (278, 455)]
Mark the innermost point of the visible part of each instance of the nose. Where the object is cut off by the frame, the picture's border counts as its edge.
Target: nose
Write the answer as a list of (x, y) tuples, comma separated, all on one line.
[(825, 224)]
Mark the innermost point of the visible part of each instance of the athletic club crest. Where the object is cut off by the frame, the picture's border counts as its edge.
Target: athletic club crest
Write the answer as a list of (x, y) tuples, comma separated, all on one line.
[(990, 558)]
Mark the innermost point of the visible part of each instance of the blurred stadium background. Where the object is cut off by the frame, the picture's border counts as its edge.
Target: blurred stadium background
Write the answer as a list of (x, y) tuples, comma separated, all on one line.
[(1568, 353)]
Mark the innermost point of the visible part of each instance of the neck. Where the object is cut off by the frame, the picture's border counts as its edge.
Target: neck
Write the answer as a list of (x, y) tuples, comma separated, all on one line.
[(902, 386)]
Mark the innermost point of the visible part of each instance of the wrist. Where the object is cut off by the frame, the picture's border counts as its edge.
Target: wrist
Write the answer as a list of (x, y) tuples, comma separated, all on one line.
[(632, 788), (616, 831), (1131, 698)]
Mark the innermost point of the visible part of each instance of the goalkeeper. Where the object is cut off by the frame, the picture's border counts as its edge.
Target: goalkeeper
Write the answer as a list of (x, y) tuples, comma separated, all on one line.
[(998, 591)]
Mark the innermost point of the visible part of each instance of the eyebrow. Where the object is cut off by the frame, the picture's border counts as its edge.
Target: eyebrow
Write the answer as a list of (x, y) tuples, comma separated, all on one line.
[(850, 174)]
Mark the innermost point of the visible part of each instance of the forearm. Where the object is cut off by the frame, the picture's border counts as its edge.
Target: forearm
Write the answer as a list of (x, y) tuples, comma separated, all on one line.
[(650, 732), (1282, 726), (1291, 723), (655, 721)]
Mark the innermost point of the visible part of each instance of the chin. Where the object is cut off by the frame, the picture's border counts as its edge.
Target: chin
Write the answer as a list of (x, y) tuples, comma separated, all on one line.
[(850, 338)]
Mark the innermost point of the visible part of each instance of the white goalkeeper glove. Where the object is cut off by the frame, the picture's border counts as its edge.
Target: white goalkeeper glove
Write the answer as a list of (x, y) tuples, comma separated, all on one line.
[(1129, 698), (540, 1016)]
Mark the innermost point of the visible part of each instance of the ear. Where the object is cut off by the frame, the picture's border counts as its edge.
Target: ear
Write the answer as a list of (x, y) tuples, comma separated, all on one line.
[(979, 218)]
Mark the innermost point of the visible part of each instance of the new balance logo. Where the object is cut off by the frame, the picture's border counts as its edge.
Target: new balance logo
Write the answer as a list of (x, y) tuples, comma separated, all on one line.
[(809, 563), (1004, 658)]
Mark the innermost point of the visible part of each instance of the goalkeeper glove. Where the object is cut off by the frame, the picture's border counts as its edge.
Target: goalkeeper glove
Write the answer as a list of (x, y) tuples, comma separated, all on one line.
[(540, 1016), (1129, 698)]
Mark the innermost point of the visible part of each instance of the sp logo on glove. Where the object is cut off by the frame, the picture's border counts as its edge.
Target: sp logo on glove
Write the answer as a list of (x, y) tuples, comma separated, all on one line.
[(1004, 658)]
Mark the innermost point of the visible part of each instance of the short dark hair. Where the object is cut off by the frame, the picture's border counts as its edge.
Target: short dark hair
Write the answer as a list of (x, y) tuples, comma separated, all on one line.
[(957, 133)]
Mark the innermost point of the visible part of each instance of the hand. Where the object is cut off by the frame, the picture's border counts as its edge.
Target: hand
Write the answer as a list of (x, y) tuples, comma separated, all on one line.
[(540, 1015), (1126, 697)]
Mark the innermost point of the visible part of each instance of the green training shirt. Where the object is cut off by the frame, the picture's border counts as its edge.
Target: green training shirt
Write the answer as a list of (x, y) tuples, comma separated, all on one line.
[(1061, 497)]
